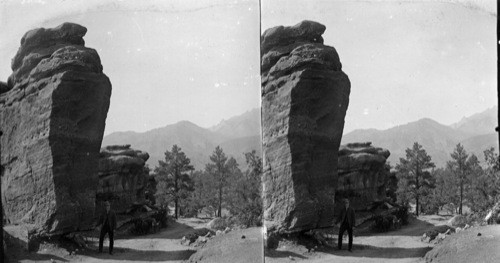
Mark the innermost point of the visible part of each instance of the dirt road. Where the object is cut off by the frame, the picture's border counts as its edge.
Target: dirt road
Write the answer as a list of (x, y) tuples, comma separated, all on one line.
[(402, 245), (160, 247)]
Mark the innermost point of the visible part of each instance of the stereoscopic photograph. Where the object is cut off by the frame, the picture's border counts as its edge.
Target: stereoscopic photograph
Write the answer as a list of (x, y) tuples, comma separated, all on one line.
[(249, 131)]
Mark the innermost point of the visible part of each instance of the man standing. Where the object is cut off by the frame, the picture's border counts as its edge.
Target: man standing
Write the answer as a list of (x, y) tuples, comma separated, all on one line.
[(347, 221), (107, 220)]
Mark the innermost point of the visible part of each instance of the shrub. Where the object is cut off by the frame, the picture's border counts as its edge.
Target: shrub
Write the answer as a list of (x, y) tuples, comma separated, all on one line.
[(402, 213), (383, 223), (142, 226), (161, 216), (249, 219)]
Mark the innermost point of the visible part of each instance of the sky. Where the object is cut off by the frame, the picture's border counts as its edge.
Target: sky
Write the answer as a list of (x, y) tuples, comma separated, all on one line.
[(406, 60), (199, 60), (168, 61)]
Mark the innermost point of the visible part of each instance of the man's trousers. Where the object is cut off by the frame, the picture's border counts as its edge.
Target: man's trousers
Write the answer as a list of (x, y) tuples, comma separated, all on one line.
[(343, 228), (105, 229)]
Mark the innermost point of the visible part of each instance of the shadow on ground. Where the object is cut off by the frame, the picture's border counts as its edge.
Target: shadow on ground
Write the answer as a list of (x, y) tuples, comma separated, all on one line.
[(379, 252), (281, 254), (127, 254), (174, 230), (415, 227), (32, 256)]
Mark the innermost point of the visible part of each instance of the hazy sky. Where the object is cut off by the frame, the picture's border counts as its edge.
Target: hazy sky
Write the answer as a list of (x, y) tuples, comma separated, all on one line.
[(167, 60), (406, 59), (199, 60)]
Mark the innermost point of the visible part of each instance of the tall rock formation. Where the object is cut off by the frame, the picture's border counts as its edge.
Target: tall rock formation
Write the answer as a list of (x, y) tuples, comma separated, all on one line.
[(52, 115), (362, 174), (123, 178), (305, 96)]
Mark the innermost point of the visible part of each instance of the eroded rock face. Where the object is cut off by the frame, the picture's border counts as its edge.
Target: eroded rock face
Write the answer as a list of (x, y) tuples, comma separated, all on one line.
[(305, 96), (362, 174), (52, 112), (123, 177)]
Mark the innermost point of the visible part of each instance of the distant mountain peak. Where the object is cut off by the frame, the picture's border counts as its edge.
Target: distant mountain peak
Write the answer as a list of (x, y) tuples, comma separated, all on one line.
[(476, 132), (480, 123), (243, 125), (235, 135), (186, 124)]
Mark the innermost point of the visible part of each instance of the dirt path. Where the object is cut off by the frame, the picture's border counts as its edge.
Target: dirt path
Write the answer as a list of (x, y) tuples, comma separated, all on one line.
[(160, 247), (402, 245)]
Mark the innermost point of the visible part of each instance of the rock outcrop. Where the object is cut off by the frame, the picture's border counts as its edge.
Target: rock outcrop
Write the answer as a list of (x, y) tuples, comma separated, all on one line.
[(362, 174), (52, 112), (305, 96), (123, 177)]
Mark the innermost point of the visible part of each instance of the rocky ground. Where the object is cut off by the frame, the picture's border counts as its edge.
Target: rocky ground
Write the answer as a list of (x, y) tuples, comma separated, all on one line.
[(477, 244), (159, 247), (239, 245), (245, 245), (403, 245)]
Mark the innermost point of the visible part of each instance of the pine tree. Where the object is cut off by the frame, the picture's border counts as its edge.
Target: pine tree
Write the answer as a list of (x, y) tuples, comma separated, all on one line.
[(460, 167), (414, 175), (173, 173), (245, 201), (220, 171)]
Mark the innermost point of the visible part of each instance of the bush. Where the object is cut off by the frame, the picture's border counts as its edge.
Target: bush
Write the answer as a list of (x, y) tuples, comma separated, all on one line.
[(143, 226), (161, 216), (188, 211), (402, 213), (383, 223), (249, 219)]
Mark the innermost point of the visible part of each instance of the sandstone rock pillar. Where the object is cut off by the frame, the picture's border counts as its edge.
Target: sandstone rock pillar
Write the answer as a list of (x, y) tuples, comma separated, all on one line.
[(52, 115), (305, 95)]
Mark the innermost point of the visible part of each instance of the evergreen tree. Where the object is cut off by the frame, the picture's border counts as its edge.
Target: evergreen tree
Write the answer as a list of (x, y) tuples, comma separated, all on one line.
[(173, 173), (414, 175), (245, 201), (492, 173), (444, 192), (484, 183), (220, 171), (460, 166)]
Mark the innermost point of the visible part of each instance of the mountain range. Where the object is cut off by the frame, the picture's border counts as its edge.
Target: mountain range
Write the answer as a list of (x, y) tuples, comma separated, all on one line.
[(236, 136), (241, 134), (476, 133)]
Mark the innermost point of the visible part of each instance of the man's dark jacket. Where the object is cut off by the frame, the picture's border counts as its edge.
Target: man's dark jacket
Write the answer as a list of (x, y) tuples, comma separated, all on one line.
[(111, 220), (349, 214)]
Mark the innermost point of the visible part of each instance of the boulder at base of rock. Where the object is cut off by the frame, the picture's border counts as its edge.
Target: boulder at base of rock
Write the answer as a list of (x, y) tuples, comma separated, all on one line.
[(458, 220), (305, 95), (440, 229), (217, 223), (53, 117)]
